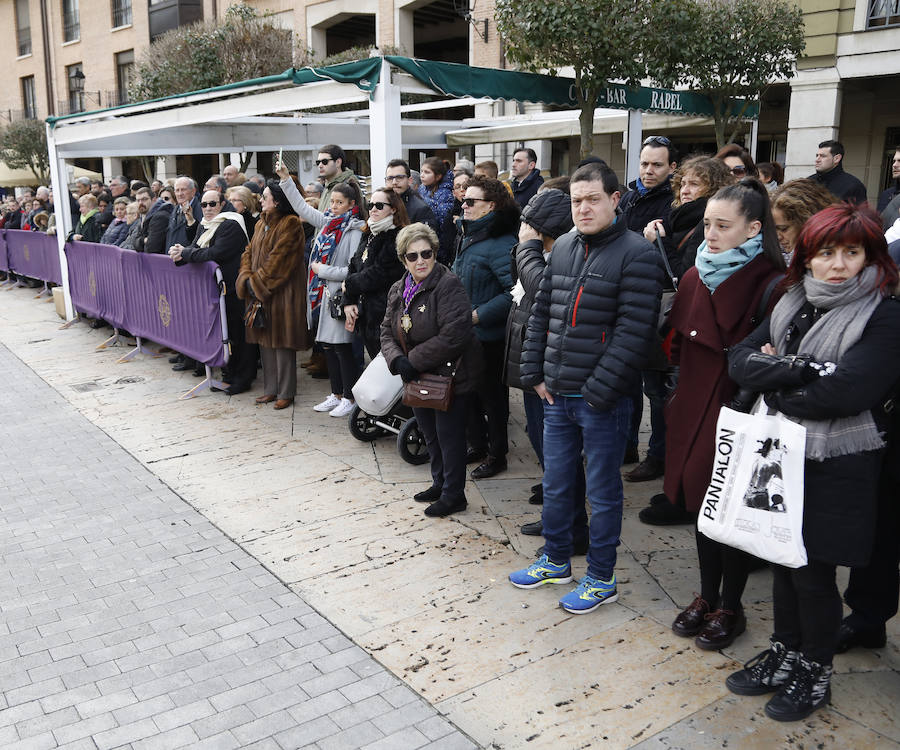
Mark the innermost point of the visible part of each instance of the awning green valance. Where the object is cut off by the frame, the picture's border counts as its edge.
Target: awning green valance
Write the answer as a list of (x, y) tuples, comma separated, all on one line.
[(454, 79)]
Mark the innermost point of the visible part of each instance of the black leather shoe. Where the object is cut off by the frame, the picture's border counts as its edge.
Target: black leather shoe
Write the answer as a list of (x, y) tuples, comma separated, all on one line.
[(182, 366), (661, 512), (532, 529), (691, 619), (720, 629), (537, 495), (491, 467), (473, 456), (445, 507), (199, 371), (235, 388), (176, 359), (649, 468), (429, 495), (580, 547), (852, 636)]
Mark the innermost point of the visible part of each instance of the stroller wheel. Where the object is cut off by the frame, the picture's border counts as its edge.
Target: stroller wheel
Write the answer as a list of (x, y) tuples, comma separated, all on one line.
[(411, 443), (362, 427)]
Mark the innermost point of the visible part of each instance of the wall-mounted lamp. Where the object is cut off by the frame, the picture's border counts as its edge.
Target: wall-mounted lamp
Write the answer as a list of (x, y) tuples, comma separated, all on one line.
[(77, 82), (462, 9)]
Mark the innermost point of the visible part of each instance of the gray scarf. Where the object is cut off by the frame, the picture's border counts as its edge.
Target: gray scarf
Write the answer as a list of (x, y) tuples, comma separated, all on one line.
[(850, 304)]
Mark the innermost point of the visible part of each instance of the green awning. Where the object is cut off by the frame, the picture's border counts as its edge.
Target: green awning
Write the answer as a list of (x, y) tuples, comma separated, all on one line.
[(454, 79)]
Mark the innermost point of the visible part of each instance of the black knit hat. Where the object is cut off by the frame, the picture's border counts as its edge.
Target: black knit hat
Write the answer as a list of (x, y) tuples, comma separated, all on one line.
[(549, 212)]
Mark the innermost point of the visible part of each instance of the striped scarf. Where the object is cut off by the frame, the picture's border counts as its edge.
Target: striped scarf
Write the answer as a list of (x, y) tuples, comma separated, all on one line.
[(327, 240)]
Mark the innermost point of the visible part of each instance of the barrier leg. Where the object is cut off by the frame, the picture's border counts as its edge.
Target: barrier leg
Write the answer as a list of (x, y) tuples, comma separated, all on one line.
[(208, 382), (111, 341), (43, 292), (138, 349), (69, 323)]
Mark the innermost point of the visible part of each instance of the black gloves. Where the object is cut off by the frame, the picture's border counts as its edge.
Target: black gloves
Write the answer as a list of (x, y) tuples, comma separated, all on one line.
[(404, 368)]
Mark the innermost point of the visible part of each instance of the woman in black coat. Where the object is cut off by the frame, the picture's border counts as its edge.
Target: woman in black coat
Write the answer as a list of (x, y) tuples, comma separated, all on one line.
[(427, 328), (828, 358), (374, 268), (698, 178)]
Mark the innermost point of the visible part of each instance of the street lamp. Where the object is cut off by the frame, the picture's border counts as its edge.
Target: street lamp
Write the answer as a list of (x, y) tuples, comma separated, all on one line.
[(78, 81)]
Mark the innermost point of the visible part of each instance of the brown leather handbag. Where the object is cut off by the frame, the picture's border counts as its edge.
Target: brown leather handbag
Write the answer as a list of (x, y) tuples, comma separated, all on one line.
[(428, 391)]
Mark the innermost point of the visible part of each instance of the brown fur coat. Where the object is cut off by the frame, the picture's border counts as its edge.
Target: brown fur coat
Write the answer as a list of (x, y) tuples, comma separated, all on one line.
[(274, 266)]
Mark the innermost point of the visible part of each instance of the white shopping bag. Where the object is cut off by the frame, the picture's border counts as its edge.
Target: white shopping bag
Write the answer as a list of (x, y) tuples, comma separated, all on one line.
[(377, 390), (754, 501)]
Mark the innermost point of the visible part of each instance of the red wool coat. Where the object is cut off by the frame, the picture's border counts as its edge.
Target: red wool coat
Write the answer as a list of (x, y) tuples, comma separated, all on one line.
[(705, 326)]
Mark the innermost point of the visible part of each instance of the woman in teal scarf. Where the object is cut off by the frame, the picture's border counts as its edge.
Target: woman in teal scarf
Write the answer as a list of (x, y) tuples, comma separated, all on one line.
[(719, 302)]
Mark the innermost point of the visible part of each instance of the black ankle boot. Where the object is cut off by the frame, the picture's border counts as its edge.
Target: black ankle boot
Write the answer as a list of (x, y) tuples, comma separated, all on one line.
[(808, 688), (765, 672)]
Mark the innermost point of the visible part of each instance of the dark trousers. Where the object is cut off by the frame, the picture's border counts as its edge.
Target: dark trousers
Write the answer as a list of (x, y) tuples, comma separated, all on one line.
[(807, 609), (242, 361), (874, 590), (373, 345), (445, 435), (489, 405), (654, 388), (723, 573), (343, 370)]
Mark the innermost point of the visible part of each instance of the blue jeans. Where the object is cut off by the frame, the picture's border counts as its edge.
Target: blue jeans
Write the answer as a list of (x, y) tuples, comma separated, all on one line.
[(570, 427)]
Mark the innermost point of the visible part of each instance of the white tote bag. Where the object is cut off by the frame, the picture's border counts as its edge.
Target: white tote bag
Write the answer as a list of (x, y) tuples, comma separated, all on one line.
[(754, 501)]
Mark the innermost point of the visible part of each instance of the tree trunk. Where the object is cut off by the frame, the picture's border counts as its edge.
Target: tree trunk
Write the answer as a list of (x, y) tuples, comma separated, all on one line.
[(586, 123), (148, 167), (245, 160)]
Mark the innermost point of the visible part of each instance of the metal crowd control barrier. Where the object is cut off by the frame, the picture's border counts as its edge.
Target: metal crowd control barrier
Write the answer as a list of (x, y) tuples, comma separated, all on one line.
[(180, 307), (32, 254)]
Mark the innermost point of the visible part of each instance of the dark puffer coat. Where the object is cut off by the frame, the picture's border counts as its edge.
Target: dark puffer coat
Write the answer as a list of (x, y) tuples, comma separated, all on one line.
[(839, 512), (595, 316), (639, 210), (705, 326), (373, 269), (441, 331), (482, 264), (528, 267)]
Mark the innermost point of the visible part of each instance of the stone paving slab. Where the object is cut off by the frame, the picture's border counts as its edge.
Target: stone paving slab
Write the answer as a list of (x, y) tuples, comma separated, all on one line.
[(334, 519), (127, 619)]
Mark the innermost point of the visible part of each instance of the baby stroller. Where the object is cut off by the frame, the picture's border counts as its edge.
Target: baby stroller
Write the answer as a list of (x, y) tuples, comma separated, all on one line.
[(379, 411)]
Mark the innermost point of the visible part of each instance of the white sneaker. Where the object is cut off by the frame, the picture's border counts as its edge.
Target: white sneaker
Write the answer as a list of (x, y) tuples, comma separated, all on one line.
[(328, 404), (343, 408)]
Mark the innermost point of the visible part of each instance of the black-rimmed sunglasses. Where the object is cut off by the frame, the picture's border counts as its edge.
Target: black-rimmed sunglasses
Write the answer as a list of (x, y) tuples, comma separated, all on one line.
[(413, 257), (210, 204), (656, 140), (323, 161), (377, 204), (471, 201)]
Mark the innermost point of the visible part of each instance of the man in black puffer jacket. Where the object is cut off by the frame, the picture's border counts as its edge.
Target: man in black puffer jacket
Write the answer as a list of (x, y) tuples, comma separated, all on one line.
[(588, 337)]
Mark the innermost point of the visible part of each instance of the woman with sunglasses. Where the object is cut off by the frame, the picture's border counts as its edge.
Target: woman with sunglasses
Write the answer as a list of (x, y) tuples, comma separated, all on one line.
[(828, 358), (738, 161), (427, 328), (374, 268), (488, 231), (437, 191), (340, 232)]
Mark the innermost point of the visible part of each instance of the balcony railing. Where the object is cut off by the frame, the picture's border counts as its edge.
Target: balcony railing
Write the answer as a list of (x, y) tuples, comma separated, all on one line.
[(883, 13), (121, 13), (23, 41)]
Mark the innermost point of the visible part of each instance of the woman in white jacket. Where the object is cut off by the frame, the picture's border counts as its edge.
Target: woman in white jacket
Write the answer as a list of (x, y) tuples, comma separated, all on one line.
[(340, 232)]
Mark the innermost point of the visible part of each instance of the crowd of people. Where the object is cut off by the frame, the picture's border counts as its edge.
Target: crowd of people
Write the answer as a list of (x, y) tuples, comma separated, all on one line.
[(709, 280)]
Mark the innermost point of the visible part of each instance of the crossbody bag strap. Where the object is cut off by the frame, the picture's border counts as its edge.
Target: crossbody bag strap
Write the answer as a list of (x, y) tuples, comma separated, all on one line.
[(665, 259)]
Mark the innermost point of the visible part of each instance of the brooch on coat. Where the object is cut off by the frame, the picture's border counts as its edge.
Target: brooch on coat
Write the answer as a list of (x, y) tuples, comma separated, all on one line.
[(406, 322)]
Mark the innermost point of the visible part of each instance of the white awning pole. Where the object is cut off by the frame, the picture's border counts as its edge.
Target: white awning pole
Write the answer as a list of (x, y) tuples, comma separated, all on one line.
[(385, 137), (63, 215), (633, 145)]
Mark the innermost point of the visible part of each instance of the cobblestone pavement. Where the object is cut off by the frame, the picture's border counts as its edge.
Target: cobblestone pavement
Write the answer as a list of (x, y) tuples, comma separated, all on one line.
[(127, 619)]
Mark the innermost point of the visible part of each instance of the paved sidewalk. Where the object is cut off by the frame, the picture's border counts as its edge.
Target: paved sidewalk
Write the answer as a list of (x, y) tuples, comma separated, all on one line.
[(127, 619)]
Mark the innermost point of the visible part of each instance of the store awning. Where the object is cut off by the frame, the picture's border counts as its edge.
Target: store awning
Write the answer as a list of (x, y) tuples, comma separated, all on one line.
[(16, 177)]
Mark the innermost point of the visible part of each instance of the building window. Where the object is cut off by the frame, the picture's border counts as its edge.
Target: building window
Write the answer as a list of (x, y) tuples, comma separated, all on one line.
[(29, 102), (883, 13), (121, 13), (23, 28), (75, 79), (124, 74), (71, 21)]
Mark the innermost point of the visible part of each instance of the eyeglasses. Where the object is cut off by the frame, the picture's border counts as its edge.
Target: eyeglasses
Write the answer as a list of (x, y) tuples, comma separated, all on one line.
[(657, 140), (471, 201), (167, 199), (209, 205), (395, 177), (740, 169), (378, 204), (323, 161), (413, 257)]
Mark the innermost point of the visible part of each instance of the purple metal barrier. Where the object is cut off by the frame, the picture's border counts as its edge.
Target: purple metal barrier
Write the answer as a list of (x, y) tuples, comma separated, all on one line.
[(33, 254), (177, 306), (4, 262), (95, 281)]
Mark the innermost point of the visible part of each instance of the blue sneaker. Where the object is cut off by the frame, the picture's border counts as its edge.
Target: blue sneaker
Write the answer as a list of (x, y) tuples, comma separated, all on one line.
[(589, 594), (542, 570)]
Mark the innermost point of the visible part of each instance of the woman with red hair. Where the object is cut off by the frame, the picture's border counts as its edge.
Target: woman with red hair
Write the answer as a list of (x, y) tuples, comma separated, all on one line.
[(828, 358)]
